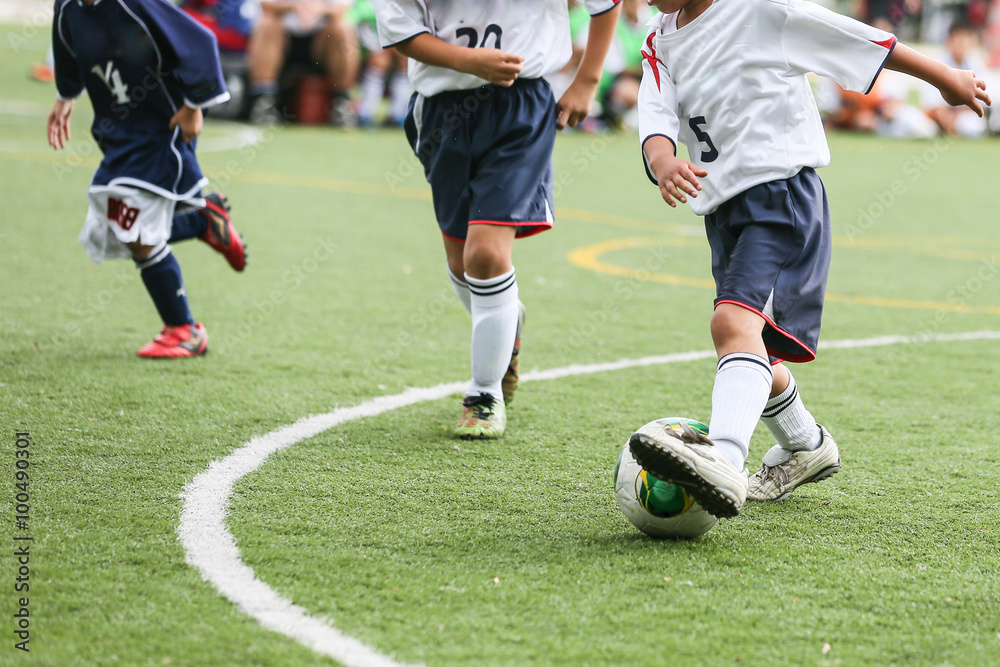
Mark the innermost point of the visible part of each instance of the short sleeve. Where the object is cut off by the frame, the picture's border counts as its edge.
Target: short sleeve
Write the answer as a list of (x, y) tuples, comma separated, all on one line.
[(597, 7), (400, 21), (190, 51), (69, 83), (818, 40), (657, 102)]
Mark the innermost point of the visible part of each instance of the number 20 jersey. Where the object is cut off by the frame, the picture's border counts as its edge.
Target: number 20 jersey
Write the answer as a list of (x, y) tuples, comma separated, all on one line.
[(535, 29), (732, 86)]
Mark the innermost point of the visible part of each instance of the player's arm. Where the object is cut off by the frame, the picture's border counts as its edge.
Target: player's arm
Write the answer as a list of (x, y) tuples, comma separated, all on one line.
[(69, 84), (493, 65), (191, 53), (575, 103), (659, 127), (958, 87)]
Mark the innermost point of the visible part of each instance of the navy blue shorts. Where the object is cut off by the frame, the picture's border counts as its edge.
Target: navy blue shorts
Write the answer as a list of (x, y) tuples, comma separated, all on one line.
[(771, 254), (487, 154)]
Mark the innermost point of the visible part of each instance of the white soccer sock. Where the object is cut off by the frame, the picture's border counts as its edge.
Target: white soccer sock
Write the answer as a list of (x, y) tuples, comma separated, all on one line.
[(461, 290), (399, 94), (789, 422), (742, 385), (494, 325), (372, 88)]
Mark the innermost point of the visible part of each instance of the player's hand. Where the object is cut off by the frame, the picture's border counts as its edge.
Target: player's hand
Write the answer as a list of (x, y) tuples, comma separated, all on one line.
[(677, 178), (59, 123), (574, 106), (963, 89), (190, 121), (495, 66)]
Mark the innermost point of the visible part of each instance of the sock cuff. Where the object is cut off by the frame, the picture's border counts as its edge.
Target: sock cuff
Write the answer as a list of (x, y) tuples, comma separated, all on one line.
[(264, 88), (455, 280), (746, 360), (491, 286), (780, 403), (159, 254)]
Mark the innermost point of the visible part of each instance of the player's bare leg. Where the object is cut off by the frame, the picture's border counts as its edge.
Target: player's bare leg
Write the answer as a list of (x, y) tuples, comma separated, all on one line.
[(181, 335), (265, 56), (485, 262), (336, 46)]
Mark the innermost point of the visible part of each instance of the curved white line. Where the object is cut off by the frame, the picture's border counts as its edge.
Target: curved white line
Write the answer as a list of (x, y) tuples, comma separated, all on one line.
[(211, 548)]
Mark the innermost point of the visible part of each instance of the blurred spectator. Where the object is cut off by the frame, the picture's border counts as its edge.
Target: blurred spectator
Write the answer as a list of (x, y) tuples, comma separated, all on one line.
[(380, 65), (315, 32), (958, 53), (885, 110), (991, 35), (618, 91), (230, 20)]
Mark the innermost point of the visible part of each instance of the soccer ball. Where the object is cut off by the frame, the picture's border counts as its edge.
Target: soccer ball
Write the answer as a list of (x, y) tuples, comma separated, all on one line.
[(655, 507)]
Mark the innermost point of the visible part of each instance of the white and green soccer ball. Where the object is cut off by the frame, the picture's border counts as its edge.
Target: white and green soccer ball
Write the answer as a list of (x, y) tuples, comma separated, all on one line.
[(658, 508)]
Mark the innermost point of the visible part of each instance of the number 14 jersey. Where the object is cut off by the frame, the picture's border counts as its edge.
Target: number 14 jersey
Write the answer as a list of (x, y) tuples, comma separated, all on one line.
[(731, 85), (538, 30)]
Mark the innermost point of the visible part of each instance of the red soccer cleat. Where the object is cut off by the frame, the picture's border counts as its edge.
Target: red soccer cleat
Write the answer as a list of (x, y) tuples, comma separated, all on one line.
[(221, 234), (188, 340)]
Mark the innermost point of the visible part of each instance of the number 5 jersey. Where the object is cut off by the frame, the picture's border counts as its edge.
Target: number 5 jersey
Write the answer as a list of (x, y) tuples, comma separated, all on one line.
[(731, 85), (139, 61), (538, 30)]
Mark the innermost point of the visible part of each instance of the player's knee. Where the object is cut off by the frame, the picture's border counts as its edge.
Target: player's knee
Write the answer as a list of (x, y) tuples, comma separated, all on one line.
[(733, 324), (485, 260)]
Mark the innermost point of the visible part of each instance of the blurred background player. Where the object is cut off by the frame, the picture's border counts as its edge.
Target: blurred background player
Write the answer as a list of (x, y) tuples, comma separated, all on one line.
[(148, 100), (380, 65), (483, 123), (314, 31)]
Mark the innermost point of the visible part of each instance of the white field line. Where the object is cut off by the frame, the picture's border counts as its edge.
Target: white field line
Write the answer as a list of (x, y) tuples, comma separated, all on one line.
[(211, 548)]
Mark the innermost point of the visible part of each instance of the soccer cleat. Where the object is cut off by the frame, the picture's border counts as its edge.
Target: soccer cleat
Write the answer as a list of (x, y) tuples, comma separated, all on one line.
[(783, 471), (693, 462), (509, 383), (221, 234), (342, 112), (483, 416), (187, 340)]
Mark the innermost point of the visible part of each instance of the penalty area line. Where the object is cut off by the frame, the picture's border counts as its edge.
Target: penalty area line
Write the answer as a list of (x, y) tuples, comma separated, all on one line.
[(210, 548)]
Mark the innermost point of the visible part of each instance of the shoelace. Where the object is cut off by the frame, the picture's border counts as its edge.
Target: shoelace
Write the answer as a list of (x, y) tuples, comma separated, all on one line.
[(767, 472), (481, 406)]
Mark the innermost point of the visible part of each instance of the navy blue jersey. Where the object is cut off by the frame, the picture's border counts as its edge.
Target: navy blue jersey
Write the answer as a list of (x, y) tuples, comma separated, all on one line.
[(139, 61)]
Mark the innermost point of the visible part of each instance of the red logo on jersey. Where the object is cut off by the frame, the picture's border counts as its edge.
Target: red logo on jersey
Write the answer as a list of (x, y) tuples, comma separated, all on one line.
[(652, 59), (121, 213)]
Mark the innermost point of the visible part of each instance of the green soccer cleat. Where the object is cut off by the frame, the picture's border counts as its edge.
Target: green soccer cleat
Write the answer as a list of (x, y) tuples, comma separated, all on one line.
[(693, 462), (483, 417), (509, 383), (783, 471)]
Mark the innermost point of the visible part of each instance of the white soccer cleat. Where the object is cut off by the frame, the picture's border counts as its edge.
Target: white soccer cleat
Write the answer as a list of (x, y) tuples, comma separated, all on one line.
[(693, 462), (784, 471)]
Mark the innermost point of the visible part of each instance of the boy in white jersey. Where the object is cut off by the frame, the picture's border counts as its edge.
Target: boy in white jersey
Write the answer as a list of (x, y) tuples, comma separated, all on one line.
[(483, 122), (728, 78)]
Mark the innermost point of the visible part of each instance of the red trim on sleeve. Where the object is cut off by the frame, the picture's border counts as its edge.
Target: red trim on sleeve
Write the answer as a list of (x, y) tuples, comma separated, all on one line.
[(886, 43)]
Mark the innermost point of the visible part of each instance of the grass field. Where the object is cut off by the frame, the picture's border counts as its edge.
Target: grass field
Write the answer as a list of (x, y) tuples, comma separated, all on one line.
[(432, 550)]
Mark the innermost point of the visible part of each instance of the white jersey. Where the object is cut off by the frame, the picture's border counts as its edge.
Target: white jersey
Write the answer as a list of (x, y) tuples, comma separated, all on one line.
[(538, 30), (731, 85)]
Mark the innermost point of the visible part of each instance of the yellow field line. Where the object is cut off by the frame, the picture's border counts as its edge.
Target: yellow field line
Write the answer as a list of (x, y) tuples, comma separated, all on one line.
[(886, 244), (588, 257)]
